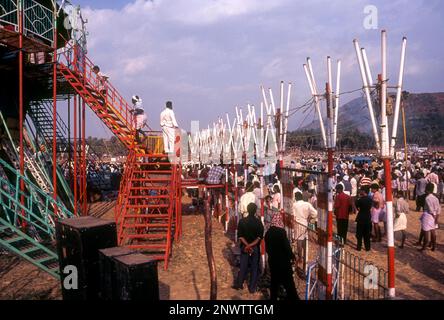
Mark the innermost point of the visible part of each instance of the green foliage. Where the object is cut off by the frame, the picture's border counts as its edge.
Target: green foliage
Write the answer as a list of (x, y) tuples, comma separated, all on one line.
[(351, 139)]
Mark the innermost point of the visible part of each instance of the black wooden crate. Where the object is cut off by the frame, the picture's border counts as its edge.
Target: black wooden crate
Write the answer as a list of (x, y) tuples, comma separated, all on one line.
[(108, 270), (78, 243), (136, 278)]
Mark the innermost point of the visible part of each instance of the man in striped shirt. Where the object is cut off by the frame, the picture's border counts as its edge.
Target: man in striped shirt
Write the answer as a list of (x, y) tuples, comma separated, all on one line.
[(365, 182)]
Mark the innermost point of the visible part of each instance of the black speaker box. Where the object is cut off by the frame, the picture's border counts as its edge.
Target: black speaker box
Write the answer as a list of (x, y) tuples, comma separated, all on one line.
[(108, 270), (136, 278), (78, 243)]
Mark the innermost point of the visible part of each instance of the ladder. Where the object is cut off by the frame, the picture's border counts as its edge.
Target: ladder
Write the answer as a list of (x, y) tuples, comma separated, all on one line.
[(36, 208), (146, 207), (25, 247), (42, 118)]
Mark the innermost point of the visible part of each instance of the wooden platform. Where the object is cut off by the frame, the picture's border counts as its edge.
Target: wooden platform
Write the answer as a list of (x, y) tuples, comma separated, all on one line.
[(9, 37)]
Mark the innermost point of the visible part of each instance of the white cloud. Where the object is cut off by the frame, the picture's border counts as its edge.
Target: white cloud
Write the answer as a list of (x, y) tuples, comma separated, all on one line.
[(210, 55)]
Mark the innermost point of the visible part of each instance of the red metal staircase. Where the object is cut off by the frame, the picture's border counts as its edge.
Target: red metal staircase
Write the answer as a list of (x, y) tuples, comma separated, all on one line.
[(101, 97), (146, 211)]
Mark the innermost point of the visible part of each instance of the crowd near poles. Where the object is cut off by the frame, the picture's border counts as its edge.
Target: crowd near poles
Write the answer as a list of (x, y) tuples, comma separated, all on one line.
[(330, 139), (386, 146)]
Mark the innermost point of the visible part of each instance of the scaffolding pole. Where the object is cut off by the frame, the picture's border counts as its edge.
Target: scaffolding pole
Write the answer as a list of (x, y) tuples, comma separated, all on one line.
[(21, 111)]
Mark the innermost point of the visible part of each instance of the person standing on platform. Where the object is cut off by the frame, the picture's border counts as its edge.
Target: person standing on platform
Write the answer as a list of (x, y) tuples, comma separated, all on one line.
[(251, 233), (342, 212), (280, 259), (100, 83), (364, 220), (169, 125), (140, 116)]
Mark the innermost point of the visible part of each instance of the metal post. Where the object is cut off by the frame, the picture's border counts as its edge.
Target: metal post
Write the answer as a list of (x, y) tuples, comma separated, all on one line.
[(406, 148), (227, 205), (209, 247), (330, 152), (54, 111), (75, 177), (386, 156), (263, 249), (398, 97), (362, 66), (84, 183), (21, 111)]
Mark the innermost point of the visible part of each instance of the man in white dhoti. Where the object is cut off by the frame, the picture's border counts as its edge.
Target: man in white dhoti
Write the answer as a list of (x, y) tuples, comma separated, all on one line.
[(429, 219), (169, 125)]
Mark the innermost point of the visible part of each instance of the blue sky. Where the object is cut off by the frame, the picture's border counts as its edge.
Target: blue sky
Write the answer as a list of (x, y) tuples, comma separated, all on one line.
[(209, 56)]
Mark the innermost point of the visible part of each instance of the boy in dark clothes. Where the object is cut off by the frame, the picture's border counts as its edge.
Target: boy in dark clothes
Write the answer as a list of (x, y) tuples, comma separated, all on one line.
[(364, 220)]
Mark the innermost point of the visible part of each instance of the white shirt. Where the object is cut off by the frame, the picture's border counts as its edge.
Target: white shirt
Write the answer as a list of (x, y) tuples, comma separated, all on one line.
[(400, 223), (276, 203), (354, 184), (245, 201), (168, 119), (303, 211)]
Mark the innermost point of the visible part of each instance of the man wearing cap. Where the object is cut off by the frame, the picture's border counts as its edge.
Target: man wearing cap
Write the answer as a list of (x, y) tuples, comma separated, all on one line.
[(169, 125), (140, 116)]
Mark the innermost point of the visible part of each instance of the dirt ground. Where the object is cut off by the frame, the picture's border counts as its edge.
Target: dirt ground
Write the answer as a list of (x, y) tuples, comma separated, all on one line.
[(420, 276)]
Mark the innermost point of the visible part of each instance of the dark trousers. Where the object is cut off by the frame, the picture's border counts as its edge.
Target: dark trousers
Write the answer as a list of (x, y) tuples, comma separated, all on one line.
[(342, 225), (420, 202), (363, 232), (282, 276), (251, 263)]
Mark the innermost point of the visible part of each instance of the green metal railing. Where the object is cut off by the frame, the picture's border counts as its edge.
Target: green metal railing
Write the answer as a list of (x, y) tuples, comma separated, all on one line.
[(38, 20), (44, 169), (9, 12), (27, 248), (40, 164), (38, 207)]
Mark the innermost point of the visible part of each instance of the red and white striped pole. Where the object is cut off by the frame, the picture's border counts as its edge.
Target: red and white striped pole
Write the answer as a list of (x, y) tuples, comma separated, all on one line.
[(386, 156), (330, 155), (227, 203), (329, 288), (263, 249)]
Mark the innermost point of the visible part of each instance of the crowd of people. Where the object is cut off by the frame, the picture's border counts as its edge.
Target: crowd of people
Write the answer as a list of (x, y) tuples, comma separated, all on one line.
[(359, 198)]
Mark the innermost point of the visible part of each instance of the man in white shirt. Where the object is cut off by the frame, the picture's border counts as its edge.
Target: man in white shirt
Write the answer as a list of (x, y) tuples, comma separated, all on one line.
[(169, 125), (246, 199), (302, 213), (354, 192)]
